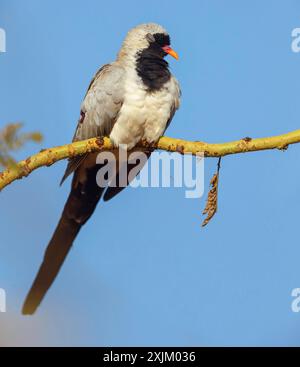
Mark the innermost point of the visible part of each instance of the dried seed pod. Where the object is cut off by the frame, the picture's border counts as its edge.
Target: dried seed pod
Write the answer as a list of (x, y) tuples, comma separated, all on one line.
[(212, 197)]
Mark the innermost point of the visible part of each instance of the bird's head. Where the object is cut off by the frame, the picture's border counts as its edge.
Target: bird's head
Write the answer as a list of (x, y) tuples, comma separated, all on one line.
[(149, 37)]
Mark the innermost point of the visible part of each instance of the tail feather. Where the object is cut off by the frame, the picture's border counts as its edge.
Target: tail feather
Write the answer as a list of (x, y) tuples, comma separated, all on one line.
[(80, 205), (55, 255)]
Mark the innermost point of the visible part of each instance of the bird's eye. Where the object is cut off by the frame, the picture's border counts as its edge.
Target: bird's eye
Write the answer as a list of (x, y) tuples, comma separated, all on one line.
[(162, 39), (150, 38)]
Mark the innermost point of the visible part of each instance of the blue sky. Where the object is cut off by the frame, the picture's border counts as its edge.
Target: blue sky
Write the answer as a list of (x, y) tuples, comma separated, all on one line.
[(143, 271)]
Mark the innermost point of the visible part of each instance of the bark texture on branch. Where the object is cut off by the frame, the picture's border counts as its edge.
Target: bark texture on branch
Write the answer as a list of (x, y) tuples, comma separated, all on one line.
[(47, 157)]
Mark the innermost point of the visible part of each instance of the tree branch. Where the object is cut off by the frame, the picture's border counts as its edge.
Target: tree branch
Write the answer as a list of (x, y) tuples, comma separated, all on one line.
[(47, 157)]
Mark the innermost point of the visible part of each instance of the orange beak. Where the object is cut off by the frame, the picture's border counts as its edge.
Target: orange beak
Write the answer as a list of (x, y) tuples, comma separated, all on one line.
[(171, 52)]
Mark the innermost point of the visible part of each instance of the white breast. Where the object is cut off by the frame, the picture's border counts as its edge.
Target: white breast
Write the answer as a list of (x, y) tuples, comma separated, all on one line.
[(144, 115)]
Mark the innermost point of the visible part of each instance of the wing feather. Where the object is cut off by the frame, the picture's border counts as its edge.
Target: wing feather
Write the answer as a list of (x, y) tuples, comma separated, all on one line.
[(99, 109)]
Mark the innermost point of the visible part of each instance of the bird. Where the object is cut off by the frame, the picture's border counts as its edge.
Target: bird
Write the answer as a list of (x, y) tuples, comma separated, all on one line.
[(132, 99)]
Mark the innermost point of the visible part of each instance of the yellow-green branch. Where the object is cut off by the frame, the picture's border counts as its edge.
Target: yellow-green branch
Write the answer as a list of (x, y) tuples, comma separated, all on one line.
[(47, 157)]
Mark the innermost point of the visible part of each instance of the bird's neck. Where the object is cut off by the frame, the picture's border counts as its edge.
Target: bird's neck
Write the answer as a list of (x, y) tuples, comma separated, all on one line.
[(152, 69)]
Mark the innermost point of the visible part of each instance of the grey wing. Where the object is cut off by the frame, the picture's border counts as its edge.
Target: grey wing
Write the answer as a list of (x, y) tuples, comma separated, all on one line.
[(99, 109)]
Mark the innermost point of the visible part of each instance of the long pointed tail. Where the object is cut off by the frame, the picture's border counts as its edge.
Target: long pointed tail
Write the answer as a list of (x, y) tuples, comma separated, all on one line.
[(57, 250), (80, 205)]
